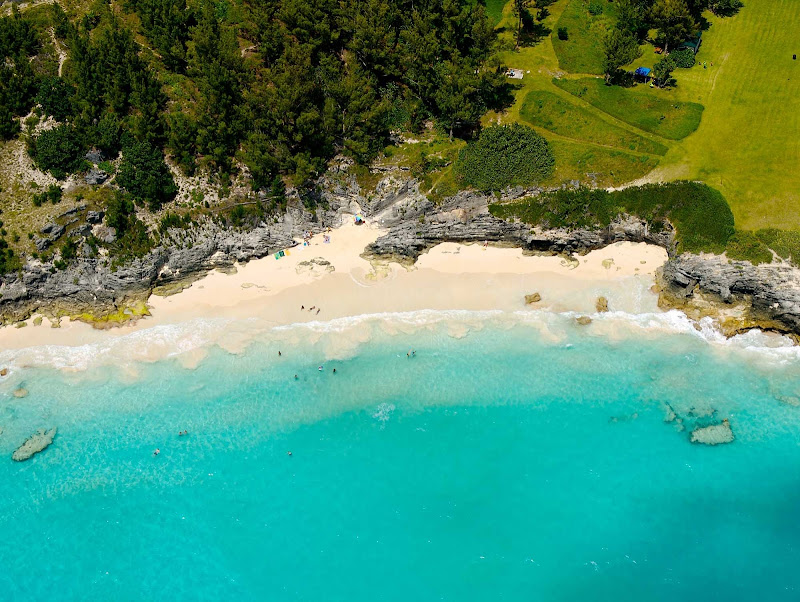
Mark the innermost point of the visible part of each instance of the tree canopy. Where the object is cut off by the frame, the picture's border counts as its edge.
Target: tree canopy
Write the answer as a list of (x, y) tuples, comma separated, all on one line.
[(505, 155)]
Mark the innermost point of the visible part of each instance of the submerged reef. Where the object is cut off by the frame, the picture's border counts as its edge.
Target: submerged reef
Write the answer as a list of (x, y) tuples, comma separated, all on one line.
[(36, 443)]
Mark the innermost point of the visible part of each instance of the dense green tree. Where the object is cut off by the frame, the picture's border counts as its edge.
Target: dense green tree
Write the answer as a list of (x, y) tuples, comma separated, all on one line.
[(55, 97), (673, 21), (725, 8), (216, 65), (621, 48), (18, 43), (166, 23), (502, 156), (663, 69), (58, 151), (144, 174)]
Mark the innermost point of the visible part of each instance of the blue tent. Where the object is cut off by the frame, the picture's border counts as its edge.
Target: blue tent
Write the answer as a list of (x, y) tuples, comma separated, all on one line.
[(642, 72)]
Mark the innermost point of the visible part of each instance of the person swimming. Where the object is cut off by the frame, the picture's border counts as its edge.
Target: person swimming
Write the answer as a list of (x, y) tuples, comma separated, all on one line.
[(279, 353), (296, 377), (158, 451), (320, 368), (334, 370)]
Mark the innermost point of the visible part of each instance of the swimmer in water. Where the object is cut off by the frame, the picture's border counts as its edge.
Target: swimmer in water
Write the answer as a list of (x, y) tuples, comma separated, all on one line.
[(288, 453), (158, 451), (334, 370), (320, 368), (279, 353), (295, 377)]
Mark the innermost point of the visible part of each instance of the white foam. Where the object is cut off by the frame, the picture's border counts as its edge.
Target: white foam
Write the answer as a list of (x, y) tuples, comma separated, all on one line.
[(343, 336)]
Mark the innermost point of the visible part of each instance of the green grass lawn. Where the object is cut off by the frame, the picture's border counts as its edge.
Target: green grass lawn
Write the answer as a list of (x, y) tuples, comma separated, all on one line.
[(583, 51), (649, 109), (547, 110), (748, 143), (494, 9), (596, 165)]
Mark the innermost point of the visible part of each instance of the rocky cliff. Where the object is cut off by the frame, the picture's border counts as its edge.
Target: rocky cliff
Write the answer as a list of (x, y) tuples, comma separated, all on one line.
[(738, 295)]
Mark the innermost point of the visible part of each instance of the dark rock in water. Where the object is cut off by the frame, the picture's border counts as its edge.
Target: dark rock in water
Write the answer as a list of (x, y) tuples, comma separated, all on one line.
[(39, 441), (95, 217), (95, 156), (714, 434), (95, 176)]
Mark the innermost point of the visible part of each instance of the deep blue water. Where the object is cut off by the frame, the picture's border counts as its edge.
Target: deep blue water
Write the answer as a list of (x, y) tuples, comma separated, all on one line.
[(509, 464)]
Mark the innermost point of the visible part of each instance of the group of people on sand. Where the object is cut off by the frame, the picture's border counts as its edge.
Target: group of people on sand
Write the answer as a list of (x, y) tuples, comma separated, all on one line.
[(310, 309)]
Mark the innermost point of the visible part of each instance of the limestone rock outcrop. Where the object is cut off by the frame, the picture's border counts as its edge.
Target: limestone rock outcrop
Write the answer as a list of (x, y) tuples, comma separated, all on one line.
[(714, 434), (37, 442)]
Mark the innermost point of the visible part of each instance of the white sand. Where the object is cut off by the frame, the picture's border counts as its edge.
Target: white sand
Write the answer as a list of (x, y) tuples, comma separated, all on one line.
[(449, 276)]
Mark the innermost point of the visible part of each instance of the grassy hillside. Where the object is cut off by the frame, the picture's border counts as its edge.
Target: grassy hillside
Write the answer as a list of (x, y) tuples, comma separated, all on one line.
[(582, 51), (547, 110), (731, 124), (651, 110), (747, 144)]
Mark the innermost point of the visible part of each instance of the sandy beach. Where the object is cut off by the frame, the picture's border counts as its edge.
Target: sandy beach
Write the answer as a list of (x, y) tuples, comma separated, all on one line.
[(327, 280)]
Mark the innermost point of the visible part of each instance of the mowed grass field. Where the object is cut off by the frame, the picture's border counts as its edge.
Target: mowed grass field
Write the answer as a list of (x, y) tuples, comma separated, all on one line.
[(583, 52), (547, 110), (652, 111), (748, 142), (603, 157)]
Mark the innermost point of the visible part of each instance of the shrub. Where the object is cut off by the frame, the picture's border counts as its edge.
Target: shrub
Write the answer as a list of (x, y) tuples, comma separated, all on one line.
[(58, 151), (683, 58), (8, 261), (785, 243), (509, 155), (702, 218), (595, 8), (725, 8), (744, 246), (52, 194), (144, 174), (563, 34)]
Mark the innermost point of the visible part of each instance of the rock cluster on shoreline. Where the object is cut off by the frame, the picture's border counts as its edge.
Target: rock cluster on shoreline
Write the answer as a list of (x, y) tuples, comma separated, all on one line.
[(737, 295)]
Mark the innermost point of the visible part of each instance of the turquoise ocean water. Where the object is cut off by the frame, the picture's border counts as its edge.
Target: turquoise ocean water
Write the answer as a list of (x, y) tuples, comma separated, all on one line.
[(513, 458)]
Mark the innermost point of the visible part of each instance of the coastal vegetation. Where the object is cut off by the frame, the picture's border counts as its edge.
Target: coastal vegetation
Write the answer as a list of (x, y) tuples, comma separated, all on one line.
[(701, 217), (192, 109), (502, 156)]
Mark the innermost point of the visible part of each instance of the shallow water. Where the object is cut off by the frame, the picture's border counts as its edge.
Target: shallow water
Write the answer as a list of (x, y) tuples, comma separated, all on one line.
[(515, 457)]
